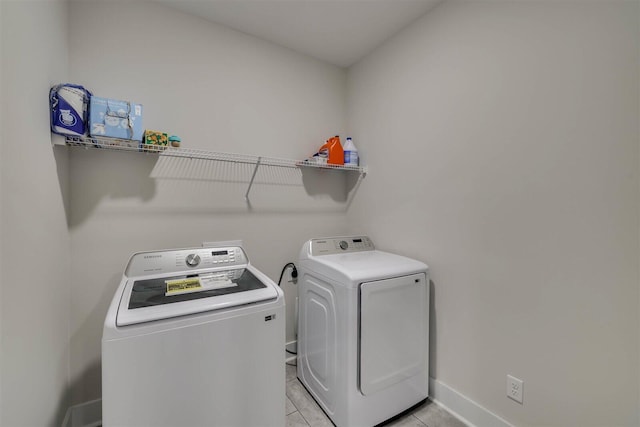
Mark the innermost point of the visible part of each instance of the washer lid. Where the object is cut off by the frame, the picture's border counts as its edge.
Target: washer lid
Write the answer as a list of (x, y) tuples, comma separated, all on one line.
[(354, 268), (146, 300)]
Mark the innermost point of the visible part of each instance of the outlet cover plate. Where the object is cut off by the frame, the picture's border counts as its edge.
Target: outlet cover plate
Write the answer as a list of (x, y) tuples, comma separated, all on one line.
[(515, 388)]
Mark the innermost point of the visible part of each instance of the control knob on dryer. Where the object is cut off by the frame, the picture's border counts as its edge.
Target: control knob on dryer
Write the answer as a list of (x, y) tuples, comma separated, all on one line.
[(343, 245)]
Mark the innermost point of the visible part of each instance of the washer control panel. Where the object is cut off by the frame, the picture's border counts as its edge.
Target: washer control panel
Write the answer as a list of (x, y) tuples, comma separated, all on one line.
[(192, 260), (336, 245), (184, 260)]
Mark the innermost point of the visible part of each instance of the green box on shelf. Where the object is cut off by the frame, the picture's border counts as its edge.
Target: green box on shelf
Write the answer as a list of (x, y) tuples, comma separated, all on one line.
[(155, 141)]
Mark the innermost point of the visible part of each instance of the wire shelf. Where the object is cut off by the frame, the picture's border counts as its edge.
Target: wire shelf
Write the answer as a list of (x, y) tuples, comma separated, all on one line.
[(213, 156), (134, 146)]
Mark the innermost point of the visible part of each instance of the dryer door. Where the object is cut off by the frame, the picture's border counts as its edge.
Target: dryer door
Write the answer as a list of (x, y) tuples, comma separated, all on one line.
[(394, 331)]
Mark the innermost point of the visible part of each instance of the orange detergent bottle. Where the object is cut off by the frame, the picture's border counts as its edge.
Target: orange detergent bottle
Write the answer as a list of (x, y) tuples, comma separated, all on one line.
[(332, 151)]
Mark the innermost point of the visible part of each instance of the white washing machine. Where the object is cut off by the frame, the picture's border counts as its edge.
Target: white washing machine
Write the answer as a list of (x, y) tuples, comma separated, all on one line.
[(363, 330), (194, 337)]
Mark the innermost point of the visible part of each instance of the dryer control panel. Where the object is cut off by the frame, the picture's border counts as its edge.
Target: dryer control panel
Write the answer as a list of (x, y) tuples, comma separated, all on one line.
[(337, 245)]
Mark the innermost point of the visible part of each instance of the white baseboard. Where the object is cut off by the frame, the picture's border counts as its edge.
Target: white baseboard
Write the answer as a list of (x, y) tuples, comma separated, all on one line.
[(463, 408)]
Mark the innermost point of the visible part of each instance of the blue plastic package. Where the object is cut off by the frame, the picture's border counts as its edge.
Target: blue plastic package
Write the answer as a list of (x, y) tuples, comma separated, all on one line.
[(68, 104)]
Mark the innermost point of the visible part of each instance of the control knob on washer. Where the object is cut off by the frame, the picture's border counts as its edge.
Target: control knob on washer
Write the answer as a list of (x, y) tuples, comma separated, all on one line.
[(343, 245), (192, 260)]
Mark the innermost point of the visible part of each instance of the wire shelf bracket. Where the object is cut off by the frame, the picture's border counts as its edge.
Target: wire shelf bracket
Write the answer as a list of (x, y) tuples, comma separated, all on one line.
[(253, 177)]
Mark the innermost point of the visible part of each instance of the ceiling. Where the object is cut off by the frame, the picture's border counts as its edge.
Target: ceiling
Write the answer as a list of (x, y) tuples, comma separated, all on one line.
[(336, 31)]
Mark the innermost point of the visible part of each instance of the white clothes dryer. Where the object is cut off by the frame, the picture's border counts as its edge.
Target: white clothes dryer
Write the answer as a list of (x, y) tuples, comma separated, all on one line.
[(194, 337), (363, 330)]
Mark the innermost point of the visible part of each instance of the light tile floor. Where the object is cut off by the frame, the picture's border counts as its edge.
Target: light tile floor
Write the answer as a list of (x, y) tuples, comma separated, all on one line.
[(303, 411)]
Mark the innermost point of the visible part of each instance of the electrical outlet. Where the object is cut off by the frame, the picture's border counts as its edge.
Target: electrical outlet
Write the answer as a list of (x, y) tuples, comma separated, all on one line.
[(514, 388)]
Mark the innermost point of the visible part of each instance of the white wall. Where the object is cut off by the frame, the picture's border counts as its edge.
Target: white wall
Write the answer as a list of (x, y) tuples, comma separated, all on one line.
[(219, 90), (34, 255), (505, 137), (3, 111)]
